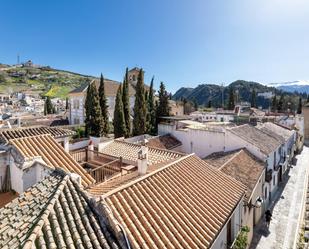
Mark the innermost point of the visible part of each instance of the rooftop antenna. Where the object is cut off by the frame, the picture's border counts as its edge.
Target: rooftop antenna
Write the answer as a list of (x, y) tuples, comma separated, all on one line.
[(18, 59)]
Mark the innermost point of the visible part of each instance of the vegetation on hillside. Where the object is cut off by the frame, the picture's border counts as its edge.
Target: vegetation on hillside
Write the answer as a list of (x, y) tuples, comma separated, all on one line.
[(43, 80), (242, 91)]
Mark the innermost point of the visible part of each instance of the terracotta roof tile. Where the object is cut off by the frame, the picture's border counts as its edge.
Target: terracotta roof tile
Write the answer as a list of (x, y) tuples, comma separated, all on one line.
[(110, 87), (277, 131), (7, 134), (164, 142), (52, 153), (239, 164), (129, 151), (256, 137), (54, 213), (182, 205)]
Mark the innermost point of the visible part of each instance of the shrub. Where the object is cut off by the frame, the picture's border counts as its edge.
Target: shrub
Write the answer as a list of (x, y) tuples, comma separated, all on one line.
[(241, 241)]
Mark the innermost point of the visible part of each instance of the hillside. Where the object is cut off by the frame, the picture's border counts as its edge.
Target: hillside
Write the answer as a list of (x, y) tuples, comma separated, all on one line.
[(41, 80), (205, 92)]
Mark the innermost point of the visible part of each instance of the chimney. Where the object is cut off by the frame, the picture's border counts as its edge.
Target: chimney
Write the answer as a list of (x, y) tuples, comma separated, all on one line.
[(90, 151), (76, 178), (142, 160)]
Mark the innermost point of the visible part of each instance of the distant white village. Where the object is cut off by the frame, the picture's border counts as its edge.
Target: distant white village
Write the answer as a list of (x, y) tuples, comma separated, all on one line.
[(205, 180)]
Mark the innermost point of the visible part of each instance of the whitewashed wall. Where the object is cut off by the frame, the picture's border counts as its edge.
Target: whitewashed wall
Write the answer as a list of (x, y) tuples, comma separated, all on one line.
[(16, 177), (236, 219), (3, 167), (200, 142), (77, 113), (79, 145)]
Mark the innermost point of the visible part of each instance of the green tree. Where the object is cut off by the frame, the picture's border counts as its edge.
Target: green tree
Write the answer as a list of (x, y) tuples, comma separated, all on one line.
[(231, 103), (195, 104), (126, 103), (103, 106), (151, 111), (253, 98), (48, 106), (308, 98), (119, 120), (139, 120), (300, 105), (280, 103), (274, 104), (94, 121), (67, 103), (163, 105), (209, 104)]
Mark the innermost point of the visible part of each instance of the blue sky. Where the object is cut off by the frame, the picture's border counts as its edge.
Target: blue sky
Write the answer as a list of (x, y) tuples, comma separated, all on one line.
[(181, 42)]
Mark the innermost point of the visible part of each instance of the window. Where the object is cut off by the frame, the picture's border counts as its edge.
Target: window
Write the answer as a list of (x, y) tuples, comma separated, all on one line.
[(76, 104), (76, 120)]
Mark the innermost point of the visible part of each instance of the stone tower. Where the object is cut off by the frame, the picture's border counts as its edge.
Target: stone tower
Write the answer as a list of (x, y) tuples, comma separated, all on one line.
[(133, 74)]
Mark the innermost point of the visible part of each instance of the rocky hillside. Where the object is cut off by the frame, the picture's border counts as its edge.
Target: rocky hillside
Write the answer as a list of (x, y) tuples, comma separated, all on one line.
[(42, 80), (205, 92)]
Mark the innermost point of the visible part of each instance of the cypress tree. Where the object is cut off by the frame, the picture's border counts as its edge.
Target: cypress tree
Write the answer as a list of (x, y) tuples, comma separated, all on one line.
[(48, 106), (119, 120), (126, 103), (103, 106), (94, 121), (231, 103), (151, 111), (195, 104), (253, 98), (280, 103), (45, 108), (139, 120), (300, 105), (67, 103), (274, 104), (209, 104), (163, 105)]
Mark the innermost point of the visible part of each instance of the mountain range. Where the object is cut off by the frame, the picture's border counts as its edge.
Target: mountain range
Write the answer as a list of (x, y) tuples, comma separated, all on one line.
[(204, 93)]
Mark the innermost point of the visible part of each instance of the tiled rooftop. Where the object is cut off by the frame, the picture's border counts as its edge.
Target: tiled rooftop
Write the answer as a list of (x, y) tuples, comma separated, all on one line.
[(7, 134), (284, 133), (129, 151), (256, 137), (182, 205), (110, 87), (54, 213), (241, 165), (164, 142), (52, 153)]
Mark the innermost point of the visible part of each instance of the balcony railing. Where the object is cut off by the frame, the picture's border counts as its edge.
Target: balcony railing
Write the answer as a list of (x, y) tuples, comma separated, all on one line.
[(79, 155), (106, 171)]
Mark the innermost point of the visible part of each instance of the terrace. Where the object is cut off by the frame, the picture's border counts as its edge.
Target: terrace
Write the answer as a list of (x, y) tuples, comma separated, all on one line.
[(100, 166)]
